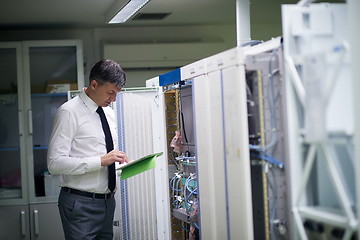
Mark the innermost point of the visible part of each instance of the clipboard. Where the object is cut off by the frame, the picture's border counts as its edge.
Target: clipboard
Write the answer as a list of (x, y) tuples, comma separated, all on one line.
[(138, 166)]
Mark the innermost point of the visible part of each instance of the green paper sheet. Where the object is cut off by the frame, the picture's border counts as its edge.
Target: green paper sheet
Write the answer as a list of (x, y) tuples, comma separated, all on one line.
[(138, 166)]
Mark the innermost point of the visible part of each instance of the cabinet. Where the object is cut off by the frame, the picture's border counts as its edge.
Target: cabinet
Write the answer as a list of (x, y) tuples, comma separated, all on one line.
[(28, 194)]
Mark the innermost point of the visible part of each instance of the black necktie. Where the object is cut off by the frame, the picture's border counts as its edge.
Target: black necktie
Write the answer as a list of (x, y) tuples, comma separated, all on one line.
[(109, 147)]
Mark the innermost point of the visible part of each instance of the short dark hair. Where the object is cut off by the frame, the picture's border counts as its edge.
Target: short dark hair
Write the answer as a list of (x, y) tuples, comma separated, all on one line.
[(108, 71)]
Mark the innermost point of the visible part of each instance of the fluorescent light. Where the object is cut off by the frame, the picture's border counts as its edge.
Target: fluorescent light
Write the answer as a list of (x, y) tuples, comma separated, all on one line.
[(128, 10)]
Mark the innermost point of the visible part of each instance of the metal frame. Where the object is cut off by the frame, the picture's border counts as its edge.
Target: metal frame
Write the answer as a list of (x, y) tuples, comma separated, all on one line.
[(20, 81), (354, 18), (300, 42)]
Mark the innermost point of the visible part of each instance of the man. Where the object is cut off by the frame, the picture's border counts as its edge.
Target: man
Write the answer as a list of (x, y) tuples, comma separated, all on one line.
[(83, 151)]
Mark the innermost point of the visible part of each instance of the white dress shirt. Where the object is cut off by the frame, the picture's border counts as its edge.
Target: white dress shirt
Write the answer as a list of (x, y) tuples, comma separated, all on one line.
[(77, 144)]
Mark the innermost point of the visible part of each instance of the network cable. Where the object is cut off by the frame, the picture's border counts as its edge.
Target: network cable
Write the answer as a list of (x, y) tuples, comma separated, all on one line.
[(188, 202), (268, 158)]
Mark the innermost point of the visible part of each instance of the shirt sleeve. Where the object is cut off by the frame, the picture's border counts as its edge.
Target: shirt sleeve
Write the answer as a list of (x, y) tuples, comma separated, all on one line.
[(59, 160)]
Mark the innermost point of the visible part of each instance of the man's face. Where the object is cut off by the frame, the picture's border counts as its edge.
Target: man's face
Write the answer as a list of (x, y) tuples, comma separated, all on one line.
[(105, 94)]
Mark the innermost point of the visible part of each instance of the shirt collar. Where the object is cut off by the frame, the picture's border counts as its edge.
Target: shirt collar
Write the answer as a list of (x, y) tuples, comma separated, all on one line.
[(91, 105)]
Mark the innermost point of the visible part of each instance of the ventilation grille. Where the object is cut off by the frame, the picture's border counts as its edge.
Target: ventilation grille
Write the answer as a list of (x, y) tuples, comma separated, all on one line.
[(136, 208), (150, 16)]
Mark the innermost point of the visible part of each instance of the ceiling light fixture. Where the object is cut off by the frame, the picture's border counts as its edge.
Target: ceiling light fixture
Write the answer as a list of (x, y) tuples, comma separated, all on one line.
[(127, 9)]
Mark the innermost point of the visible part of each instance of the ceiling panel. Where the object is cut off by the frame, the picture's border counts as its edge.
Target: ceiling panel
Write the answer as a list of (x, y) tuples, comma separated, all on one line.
[(90, 13)]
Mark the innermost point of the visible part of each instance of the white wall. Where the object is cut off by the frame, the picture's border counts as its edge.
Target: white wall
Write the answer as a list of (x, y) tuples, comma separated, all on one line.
[(137, 77), (94, 40)]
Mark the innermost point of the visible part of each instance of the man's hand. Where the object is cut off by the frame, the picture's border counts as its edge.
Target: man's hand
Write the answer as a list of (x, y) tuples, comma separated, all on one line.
[(114, 156)]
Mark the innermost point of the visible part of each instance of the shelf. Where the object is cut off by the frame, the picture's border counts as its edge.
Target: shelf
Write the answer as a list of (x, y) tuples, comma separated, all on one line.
[(6, 149), (6, 193), (49, 95), (40, 147)]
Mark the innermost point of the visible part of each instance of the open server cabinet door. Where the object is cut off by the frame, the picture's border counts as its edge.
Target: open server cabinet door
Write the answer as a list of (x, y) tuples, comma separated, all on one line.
[(141, 211)]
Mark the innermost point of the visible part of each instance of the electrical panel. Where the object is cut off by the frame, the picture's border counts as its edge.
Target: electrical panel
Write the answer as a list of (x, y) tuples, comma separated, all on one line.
[(182, 173), (267, 139)]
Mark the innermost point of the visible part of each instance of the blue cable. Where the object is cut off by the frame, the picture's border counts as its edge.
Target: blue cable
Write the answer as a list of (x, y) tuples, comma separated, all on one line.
[(192, 191), (255, 147), (188, 205), (189, 197), (196, 225), (183, 226), (188, 187), (177, 206), (171, 185), (185, 197), (269, 158)]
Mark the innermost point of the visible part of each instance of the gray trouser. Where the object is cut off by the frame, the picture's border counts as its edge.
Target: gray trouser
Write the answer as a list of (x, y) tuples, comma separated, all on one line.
[(85, 218)]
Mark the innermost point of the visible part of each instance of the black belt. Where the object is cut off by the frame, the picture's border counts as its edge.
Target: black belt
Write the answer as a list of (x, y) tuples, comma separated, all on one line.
[(87, 194)]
